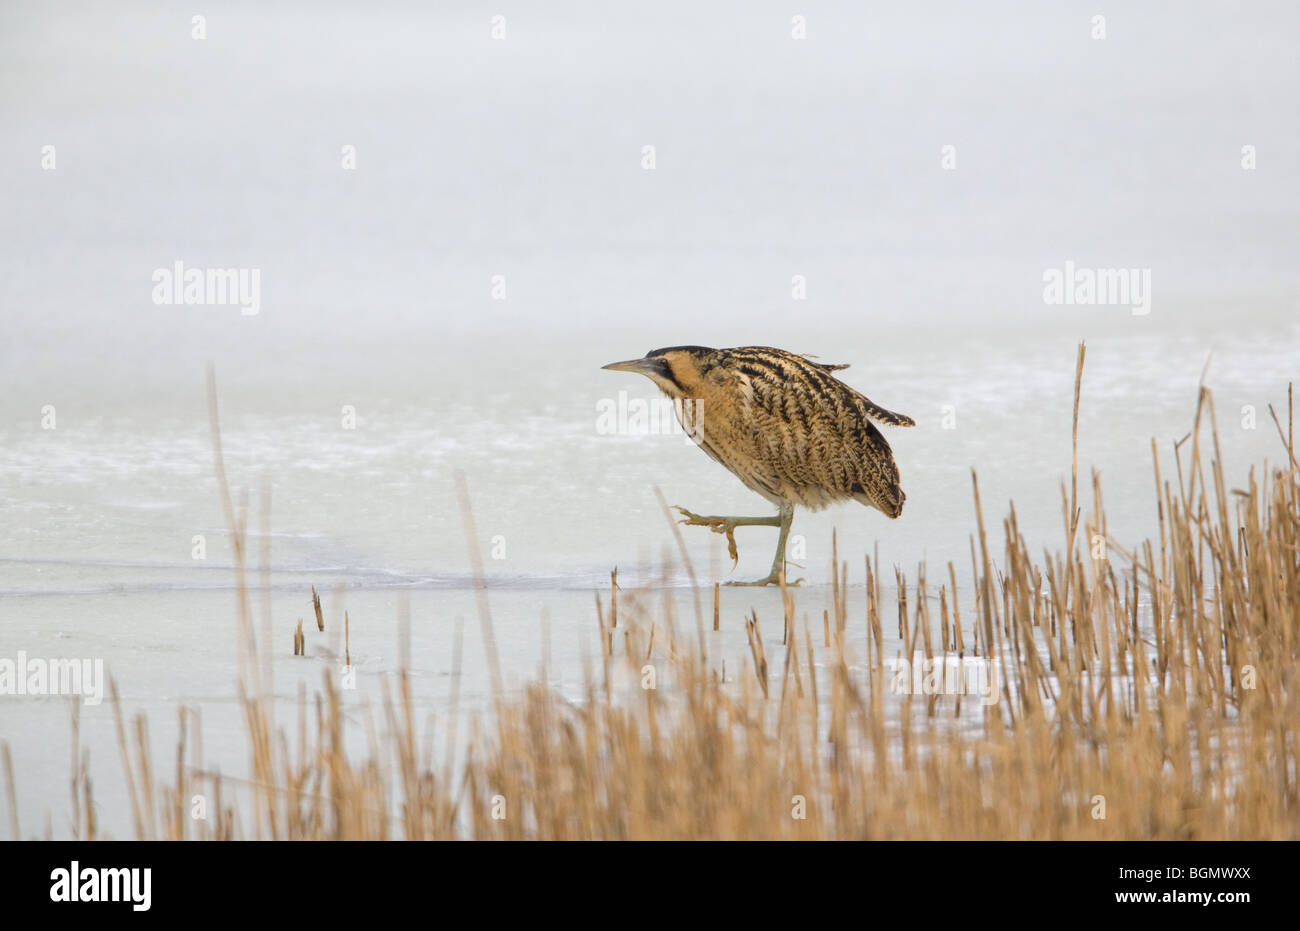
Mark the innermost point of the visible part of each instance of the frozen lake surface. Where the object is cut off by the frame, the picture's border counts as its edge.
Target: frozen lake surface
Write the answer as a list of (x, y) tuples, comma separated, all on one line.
[(447, 305)]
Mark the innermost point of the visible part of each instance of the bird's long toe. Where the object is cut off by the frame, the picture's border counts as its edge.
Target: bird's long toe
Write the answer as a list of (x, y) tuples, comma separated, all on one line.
[(690, 518), (716, 524), (773, 579), (756, 583)]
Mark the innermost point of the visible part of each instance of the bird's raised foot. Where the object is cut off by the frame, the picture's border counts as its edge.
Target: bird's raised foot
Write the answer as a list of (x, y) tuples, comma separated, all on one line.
[(716, 524), (723, 525), (728, 525)]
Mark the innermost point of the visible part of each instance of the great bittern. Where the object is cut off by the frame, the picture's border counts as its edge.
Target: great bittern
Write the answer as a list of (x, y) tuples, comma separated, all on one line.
[(784, 426)]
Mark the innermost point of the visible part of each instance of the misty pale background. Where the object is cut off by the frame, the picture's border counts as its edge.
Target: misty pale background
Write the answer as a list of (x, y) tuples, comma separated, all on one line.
[(522, 158)]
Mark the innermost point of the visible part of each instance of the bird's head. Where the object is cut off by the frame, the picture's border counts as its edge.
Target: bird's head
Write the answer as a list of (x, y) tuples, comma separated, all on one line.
[(677, 370)]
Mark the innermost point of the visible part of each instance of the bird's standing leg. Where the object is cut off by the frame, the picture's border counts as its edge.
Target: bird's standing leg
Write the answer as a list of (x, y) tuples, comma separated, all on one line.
[(728, 525), (784, 519)]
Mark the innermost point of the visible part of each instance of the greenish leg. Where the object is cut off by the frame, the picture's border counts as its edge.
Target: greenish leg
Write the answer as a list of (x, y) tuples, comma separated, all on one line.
[(727, 525), (722, 524)]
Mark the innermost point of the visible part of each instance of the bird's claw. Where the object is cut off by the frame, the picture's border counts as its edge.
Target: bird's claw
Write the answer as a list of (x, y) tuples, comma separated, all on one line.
[(722, 525), (697, 520)]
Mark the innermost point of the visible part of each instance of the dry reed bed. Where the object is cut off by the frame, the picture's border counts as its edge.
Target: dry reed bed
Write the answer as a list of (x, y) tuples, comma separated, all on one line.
[(1156, 686)]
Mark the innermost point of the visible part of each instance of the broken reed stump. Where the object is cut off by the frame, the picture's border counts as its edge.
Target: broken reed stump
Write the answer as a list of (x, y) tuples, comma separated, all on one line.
[(315, 603), (755, 636), (299, 641), (606, 636), (613, 598), (347, 649)]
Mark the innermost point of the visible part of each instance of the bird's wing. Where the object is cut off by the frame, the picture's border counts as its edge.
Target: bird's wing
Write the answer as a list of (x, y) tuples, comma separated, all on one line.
[(873, 410), (815, 431)]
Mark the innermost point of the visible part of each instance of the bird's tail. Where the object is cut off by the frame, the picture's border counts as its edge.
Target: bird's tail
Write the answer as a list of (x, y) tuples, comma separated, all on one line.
[(894, 507), (889, 500)]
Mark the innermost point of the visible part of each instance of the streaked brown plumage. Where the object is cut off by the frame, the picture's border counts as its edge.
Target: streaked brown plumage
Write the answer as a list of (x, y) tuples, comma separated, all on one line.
[(784, 425)]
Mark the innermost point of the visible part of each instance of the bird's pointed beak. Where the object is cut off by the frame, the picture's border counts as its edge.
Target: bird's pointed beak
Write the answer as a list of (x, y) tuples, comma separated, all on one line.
[(631, 365)]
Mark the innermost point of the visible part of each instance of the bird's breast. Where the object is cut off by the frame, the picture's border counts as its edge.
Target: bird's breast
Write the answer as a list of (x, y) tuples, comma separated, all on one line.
[(727, 436)]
